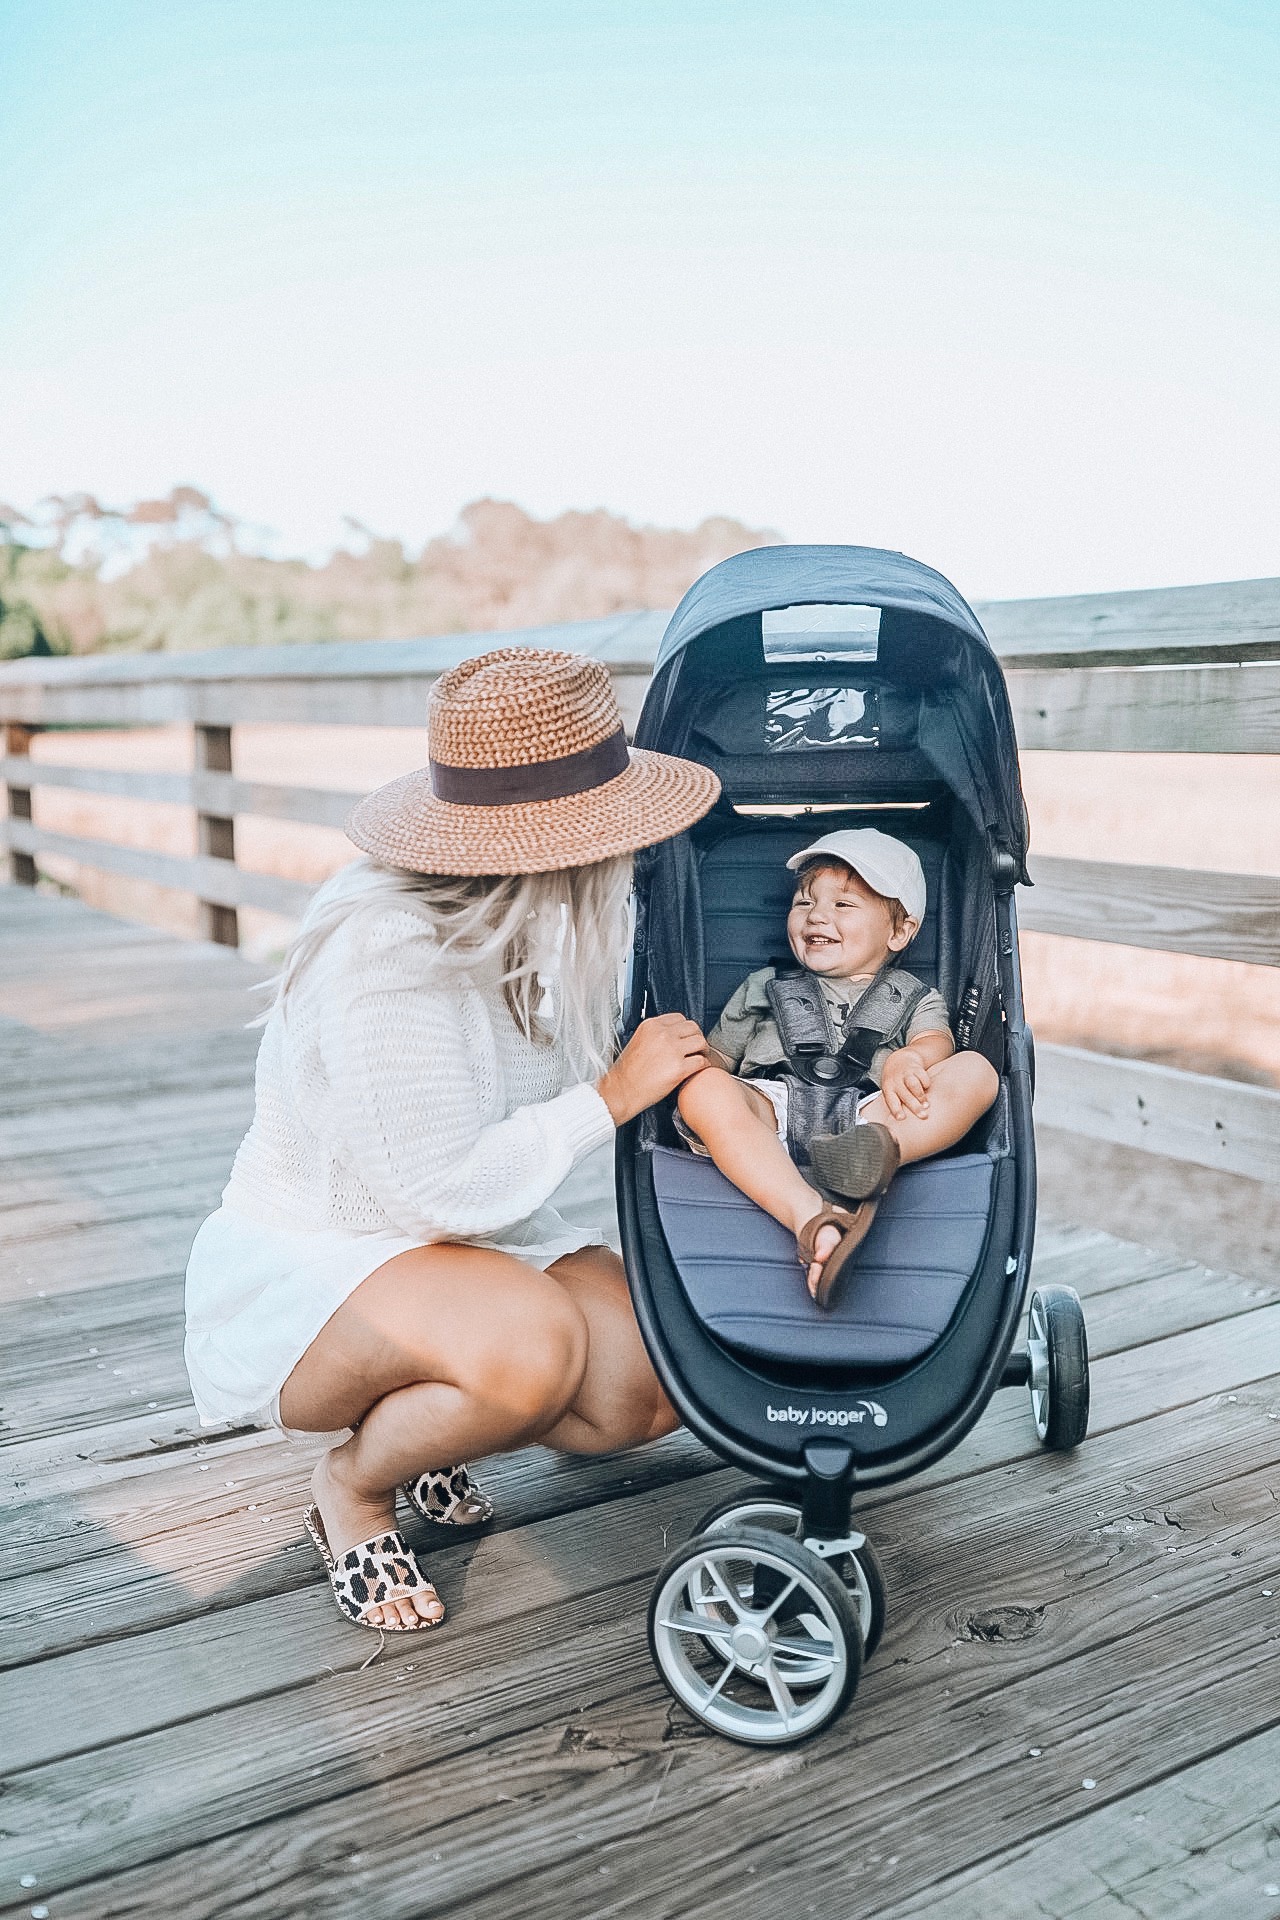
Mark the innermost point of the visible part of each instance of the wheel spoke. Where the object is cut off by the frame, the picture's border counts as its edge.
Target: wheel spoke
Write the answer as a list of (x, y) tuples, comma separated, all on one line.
[(763, 1618), (730, 1598), (731, 1666), (783, 1700), (715, 1632), (818, 1651)]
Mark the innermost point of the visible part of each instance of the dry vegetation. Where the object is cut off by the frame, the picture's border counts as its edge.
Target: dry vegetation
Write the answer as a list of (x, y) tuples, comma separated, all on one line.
[(177, 574)]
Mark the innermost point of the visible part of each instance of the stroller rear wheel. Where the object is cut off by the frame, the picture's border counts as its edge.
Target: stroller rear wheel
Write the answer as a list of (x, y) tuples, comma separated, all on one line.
[(859, 1569), (1059, 1354), (755, 1636)]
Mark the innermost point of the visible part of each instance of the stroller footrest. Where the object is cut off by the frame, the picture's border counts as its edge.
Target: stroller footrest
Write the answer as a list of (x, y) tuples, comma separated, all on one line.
[(739, 1269)]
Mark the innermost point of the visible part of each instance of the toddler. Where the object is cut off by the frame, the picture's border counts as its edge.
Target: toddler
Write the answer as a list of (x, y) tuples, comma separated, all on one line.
[(827, 1077)]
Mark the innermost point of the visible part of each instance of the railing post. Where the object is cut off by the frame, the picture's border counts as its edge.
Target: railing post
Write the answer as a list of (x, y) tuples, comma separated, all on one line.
[(17, 744), (216, 835)]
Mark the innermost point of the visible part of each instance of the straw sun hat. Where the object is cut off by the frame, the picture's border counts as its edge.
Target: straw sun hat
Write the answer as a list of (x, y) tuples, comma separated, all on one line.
[(529, 771)]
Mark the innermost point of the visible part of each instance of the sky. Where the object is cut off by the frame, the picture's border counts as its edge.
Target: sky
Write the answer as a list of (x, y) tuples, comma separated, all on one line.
[(994, 284)]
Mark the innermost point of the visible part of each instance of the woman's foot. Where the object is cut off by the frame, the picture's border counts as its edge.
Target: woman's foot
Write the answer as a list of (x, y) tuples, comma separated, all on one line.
[(449, 1497), (351, 1517)]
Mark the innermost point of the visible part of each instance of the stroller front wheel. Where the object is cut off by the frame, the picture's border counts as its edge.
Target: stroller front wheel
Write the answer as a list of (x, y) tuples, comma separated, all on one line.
[(755, 1636), (1058, 1350), (859, 1569)]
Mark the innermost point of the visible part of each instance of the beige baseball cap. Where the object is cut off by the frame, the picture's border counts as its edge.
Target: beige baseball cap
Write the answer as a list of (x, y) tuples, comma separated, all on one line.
[(884, 863)]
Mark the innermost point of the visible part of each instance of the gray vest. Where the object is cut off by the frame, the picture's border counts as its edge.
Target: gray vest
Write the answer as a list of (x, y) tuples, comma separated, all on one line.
[(818, 1051)]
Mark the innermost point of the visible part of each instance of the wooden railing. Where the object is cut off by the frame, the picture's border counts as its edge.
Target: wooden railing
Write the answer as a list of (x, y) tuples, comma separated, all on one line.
[(1180, 670)]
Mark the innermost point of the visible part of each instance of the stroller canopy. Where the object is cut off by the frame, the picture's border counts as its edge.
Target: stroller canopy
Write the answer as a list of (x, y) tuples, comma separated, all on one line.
[(929, 640)]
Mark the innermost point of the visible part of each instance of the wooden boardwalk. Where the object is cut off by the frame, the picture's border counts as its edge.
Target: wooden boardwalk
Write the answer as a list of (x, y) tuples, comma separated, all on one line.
[(1075, 1711)]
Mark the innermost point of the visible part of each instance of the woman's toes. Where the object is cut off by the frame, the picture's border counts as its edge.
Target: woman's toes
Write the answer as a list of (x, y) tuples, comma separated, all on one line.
[(429, 1606)]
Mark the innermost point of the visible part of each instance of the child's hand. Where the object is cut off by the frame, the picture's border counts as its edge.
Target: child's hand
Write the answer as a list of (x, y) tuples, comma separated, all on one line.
[(905, 1084)]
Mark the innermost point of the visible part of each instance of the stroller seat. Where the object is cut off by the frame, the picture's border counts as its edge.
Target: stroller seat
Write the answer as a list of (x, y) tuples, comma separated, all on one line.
[(736, 1265), (739, 1270)]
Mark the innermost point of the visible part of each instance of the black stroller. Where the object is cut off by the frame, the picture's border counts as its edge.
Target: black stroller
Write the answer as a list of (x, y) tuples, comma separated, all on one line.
[(830, 687)]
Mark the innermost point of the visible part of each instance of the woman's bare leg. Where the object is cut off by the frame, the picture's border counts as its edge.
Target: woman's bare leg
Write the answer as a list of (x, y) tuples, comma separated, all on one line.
[(619, 1403), (516, 1355), (961, 1088), (445, 1353), (737, 1127)]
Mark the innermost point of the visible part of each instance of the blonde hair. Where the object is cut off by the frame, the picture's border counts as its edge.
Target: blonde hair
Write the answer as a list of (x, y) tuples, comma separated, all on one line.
[(558, 939)]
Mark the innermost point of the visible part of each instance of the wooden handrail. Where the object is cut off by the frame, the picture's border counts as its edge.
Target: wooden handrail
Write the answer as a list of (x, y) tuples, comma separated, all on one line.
[(1180, 670), (1220, 916)]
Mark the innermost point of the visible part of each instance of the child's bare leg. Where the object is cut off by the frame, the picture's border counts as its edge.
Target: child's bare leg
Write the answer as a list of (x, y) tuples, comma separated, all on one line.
[(736, 1125), (961, 1088)]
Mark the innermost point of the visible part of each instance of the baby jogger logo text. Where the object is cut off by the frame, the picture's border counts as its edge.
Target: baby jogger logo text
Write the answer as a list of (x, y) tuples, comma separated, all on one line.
[(830, 1416)]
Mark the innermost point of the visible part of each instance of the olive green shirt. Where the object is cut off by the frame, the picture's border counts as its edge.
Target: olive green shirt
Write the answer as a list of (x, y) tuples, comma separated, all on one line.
[(747, 1033)]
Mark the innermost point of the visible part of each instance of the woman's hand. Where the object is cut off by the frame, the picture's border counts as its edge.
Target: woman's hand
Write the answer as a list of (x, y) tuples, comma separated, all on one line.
[(660, 1056), (905, 1084)]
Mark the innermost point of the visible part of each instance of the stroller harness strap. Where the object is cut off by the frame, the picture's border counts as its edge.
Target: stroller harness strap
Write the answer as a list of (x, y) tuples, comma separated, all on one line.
[(817, 1050)]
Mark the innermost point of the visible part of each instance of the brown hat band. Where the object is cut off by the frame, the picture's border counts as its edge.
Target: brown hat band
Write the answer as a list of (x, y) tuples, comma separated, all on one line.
[(538, 780)]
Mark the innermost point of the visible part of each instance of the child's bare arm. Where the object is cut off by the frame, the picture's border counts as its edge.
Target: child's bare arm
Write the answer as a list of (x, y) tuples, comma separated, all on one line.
[(904, 1082), (931, 1047)]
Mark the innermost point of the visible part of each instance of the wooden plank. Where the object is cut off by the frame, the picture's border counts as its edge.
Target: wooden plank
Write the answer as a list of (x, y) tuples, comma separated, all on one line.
[(125, 783), (84, 1356), (104, 1362), (311, 806), (1233, 620), (133, 1326), (1202, 1843), (184, 1677), (501, 1748), (218, 881), (215, 838), (66, 1467), (1147, 710), (1227, 621), (118, 1254), (17, 752), (931, 1796), (1227, 916), (1135, 1103), (367, 683), (215, 793)]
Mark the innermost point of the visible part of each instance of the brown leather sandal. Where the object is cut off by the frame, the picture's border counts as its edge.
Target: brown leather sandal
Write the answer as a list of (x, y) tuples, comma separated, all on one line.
[(857, 1164), (853, 1228)]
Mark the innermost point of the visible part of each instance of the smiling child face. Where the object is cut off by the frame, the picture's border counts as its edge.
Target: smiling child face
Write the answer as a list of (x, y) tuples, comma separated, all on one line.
[(840, 928)]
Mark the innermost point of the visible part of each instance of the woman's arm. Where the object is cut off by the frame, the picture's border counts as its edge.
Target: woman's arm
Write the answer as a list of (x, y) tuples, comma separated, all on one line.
[(412, 1071), (412, 1075)]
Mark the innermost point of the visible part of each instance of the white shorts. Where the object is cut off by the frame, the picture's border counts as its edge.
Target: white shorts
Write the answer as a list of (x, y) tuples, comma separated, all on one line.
[(776, 1093)]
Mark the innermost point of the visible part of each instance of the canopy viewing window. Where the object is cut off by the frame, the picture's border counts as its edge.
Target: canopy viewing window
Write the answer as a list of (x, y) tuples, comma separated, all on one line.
[(820, 632), (800, 717)]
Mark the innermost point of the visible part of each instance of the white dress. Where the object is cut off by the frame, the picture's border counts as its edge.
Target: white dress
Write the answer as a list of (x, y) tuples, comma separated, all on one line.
[(398, 1105)]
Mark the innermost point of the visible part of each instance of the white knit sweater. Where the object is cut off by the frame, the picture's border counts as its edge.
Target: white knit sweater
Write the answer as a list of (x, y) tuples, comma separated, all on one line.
[(396, 1094)]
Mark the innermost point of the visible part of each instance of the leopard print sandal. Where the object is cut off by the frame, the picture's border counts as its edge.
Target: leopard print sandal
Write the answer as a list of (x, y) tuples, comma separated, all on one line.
[(378, 1571), (449, 1497)]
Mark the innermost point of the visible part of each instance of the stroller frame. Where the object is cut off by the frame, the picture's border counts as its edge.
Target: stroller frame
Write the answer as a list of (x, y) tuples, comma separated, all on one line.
[(818, 1434)]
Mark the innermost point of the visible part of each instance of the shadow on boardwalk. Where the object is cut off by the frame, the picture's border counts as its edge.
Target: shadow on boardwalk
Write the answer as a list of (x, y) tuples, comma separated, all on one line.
[(1074, 1709)]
